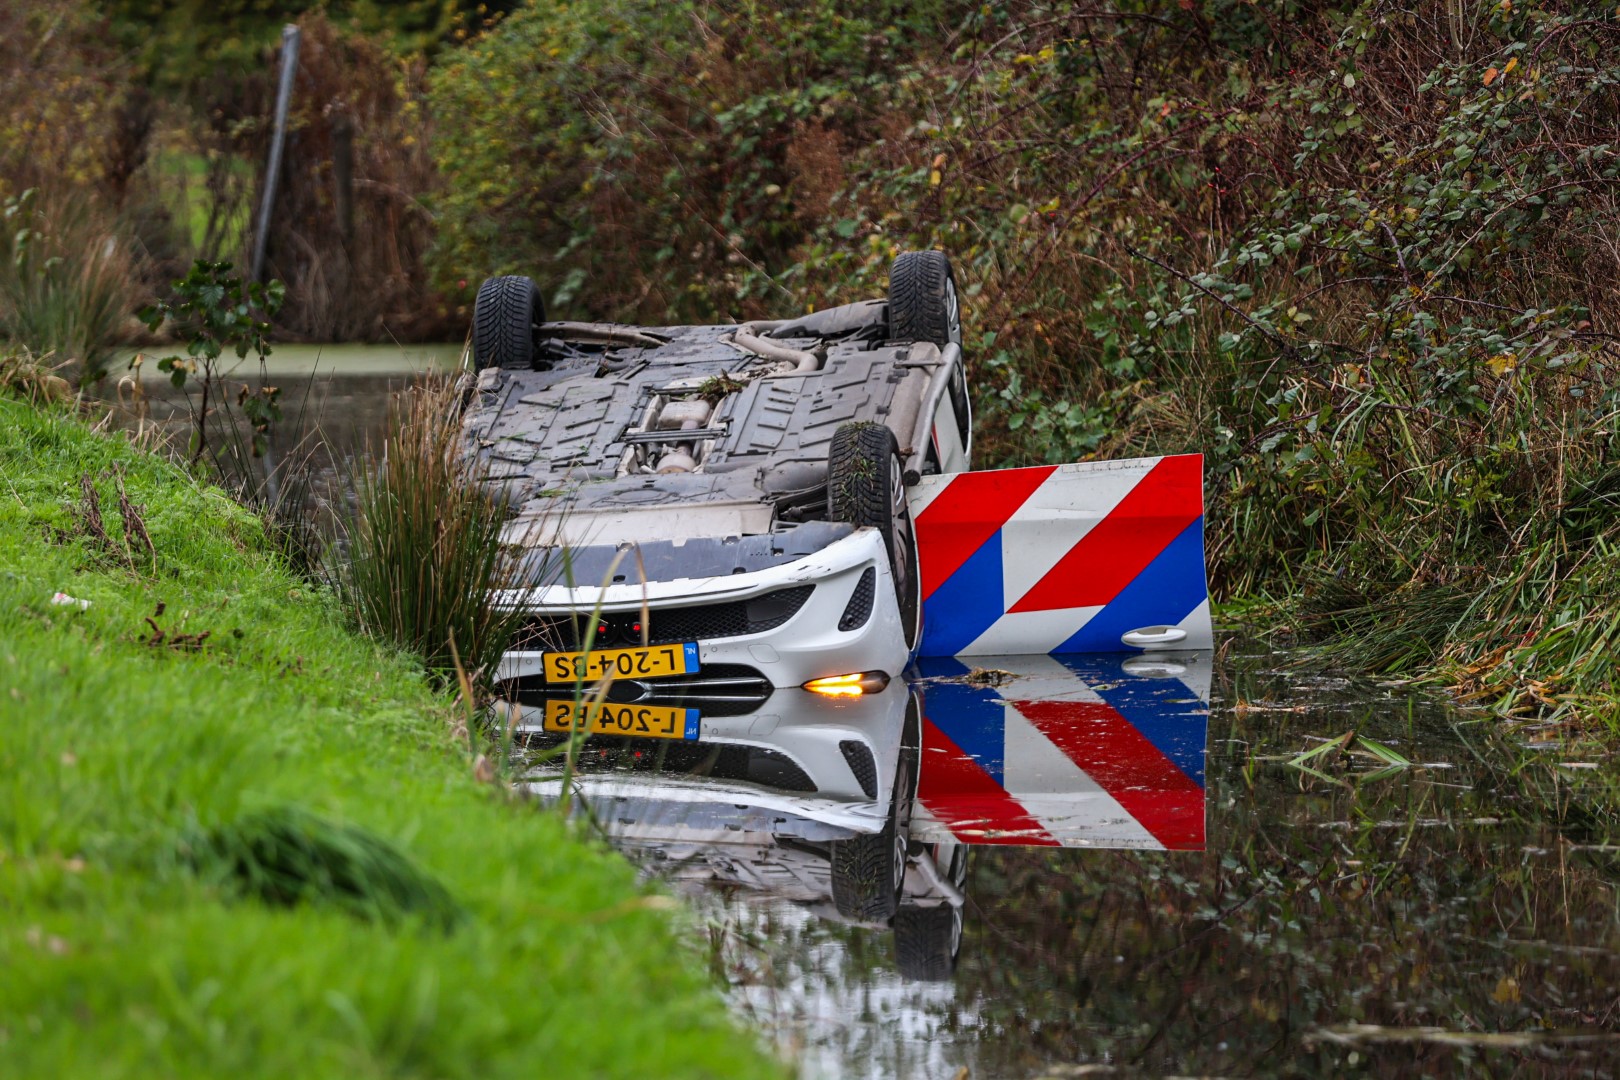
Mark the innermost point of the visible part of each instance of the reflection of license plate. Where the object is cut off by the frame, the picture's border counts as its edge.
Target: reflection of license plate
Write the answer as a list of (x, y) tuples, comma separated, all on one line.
[(644, 721), (565, 667)]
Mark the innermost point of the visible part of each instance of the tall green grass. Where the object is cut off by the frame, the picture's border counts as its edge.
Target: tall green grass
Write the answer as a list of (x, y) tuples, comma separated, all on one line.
[(286, 855)]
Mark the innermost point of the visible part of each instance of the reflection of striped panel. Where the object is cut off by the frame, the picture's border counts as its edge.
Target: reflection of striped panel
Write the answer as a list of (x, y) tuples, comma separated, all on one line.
[(1079, 753), (1063, 558)]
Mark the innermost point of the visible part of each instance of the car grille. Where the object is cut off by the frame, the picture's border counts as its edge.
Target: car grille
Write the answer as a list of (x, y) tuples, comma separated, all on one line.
[(716, 690), (666, 625), (859, 756), (859, 608)]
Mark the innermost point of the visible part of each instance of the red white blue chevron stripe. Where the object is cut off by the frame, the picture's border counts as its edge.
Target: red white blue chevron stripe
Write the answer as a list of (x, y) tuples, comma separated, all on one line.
[(1072, 751), (1062, 558)]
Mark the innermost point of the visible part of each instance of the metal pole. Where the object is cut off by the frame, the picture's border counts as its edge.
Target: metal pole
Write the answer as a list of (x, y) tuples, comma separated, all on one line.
[(289, 69)]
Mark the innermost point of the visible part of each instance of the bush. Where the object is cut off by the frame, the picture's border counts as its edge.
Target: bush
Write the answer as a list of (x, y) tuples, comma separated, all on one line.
[(659, 161), (68, 130)]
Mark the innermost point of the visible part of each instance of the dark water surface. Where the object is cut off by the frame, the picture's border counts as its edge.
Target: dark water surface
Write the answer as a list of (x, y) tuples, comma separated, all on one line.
[(335, 402), (1458, 916), (340, 392), (1436, 898)]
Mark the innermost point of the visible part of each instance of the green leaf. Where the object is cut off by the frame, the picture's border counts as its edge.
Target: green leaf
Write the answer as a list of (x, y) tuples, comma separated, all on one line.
[(1382, 752), (1299, 760)]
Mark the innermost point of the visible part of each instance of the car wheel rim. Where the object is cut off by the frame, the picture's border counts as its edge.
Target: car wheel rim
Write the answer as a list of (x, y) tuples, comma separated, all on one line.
[(953, 314), (902, 823), (901, 554)]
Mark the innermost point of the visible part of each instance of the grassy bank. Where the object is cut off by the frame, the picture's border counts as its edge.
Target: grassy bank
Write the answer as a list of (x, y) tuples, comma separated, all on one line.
[(236, 840)]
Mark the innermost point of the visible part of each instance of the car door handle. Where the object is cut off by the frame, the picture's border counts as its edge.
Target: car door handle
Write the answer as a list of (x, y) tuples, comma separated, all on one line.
[(1148, 637)]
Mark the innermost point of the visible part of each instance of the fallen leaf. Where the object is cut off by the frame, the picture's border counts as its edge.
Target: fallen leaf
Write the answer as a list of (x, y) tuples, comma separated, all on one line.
[(987, 677), (1490, 75)]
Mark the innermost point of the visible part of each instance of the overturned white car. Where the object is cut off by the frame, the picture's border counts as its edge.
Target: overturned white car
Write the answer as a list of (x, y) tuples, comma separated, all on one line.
[(731, 500)]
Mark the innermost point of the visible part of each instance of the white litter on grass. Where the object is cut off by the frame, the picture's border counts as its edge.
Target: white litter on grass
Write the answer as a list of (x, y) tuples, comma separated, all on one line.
[(64, 600)]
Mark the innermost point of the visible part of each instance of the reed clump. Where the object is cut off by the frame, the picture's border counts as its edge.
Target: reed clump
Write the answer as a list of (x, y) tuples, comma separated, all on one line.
[(69, 280), (424, 558)]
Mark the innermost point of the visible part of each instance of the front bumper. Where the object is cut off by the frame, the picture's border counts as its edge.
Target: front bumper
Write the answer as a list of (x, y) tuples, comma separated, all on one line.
[(832, 766), (807, 645)]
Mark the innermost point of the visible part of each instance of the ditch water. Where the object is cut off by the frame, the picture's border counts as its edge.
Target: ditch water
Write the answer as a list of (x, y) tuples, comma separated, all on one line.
[(339, 393), (1121, 868), (1439, 898)]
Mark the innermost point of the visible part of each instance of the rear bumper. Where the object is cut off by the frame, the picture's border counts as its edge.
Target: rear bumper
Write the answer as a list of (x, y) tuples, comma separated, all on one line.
[(808, 645)]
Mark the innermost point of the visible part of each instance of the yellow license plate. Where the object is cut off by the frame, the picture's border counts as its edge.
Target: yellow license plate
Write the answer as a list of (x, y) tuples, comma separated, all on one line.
[(642, 721), (648, 663)]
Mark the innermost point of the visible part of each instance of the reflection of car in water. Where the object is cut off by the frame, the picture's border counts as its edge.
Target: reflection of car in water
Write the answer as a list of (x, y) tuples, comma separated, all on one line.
[(864, 809), (813, 806)]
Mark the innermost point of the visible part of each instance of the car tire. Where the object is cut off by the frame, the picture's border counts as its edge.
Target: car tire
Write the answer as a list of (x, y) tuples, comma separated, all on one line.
[(504, 318), (923, 302), (869, 871), (865, 486), (927, 941)]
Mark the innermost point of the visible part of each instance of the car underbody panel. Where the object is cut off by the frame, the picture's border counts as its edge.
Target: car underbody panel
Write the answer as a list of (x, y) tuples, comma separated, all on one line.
[(679, 433), (684, 471)]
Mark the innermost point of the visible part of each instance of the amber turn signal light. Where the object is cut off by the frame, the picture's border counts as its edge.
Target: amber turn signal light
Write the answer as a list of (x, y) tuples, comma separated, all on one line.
[(852, 685)]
